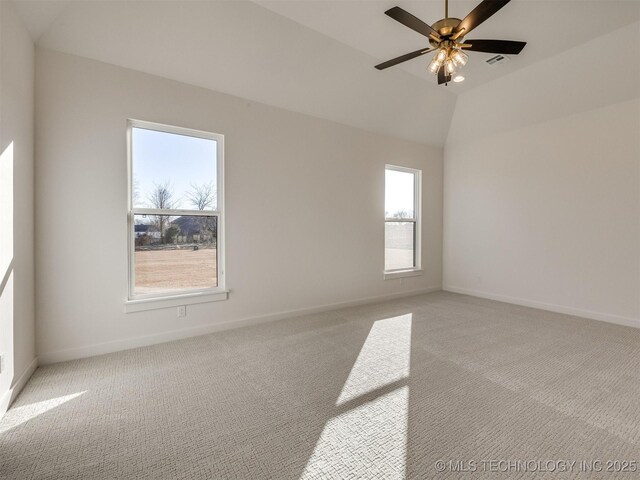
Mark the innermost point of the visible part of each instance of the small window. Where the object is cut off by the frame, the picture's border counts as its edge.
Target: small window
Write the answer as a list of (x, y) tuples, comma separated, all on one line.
[(402, 220), (175, 211)]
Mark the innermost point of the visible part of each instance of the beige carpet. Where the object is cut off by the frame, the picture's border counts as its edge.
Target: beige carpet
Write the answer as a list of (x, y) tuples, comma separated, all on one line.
[(381, 391)]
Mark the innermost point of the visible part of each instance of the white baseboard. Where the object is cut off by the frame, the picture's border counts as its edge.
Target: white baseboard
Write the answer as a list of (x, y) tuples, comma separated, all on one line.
[(603, 317), (12, 394), (46, 358)]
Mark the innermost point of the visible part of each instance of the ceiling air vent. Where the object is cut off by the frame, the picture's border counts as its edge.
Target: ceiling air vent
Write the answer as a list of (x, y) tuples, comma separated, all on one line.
[(497, 59)]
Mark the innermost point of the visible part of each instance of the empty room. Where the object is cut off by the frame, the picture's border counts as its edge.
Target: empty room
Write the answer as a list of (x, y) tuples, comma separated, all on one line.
[(309, 239)]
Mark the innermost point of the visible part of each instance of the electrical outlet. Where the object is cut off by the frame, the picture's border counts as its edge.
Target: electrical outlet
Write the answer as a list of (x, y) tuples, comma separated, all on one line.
[(182, 311)]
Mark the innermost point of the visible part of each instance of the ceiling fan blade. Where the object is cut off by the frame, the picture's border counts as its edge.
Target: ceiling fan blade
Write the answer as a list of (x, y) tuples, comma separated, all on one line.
[(483, 11), (508, 47), (414, 23), (442, 78), (403, 58)]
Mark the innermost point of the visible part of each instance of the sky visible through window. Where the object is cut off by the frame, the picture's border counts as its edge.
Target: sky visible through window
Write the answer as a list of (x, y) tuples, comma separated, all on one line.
[(179, 160), (399, 194)]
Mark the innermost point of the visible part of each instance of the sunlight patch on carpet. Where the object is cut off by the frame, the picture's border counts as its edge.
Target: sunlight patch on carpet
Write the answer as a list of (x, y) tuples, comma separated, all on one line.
[(383, 359), (369, 441), (19, 415)]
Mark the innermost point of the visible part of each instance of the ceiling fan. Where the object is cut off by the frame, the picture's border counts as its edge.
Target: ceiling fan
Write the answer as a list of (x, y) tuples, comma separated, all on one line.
[(446, 36)]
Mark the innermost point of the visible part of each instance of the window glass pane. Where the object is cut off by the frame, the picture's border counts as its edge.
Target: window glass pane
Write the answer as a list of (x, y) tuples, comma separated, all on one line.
[(399, 194), (173, 171), (175, 253), (399, 241)]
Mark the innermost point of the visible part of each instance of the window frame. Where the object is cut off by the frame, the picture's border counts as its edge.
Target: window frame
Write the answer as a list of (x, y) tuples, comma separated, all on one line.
[(416, 220), (137, 302)]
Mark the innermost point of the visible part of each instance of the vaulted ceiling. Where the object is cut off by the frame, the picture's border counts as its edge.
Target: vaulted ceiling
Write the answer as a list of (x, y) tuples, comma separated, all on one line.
[(315, 57)]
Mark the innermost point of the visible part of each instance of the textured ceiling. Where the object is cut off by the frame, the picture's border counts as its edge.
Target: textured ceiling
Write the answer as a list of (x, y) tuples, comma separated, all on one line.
[(314, 57), (39, 15), (548, 27)]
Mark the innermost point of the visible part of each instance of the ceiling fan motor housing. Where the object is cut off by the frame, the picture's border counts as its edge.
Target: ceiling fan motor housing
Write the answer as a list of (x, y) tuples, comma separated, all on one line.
[(445, 28)]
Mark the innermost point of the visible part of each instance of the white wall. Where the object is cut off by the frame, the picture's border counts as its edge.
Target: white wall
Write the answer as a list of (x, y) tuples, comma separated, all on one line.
[(542, 184), (244, 49), (304, 200), (16, 205)]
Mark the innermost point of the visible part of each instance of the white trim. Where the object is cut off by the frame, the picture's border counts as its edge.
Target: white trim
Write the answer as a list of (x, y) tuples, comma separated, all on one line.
[(219, 291), (9, 397), (416, 220), (578, 312), (399, 168), (161, 127), (155, 303), (414, 272), (47, 358), (175, 212), (176, 294)]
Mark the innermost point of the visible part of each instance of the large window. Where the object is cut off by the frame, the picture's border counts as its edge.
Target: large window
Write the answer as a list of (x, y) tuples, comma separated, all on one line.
[(402, 220), (175, 211)]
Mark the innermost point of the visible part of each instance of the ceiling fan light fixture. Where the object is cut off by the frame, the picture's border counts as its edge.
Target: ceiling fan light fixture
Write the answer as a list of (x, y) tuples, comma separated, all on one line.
[(439, 59), (459, 58), (447, 58), (434, 65), (449, 68)]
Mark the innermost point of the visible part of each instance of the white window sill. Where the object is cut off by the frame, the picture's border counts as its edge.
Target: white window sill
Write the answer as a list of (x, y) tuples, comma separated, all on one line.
[(131, 306), (403, 273)]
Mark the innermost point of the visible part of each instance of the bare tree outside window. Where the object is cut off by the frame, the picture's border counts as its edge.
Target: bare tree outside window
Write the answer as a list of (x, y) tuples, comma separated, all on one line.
[(203, 197), (161, 197), (402, 213)]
